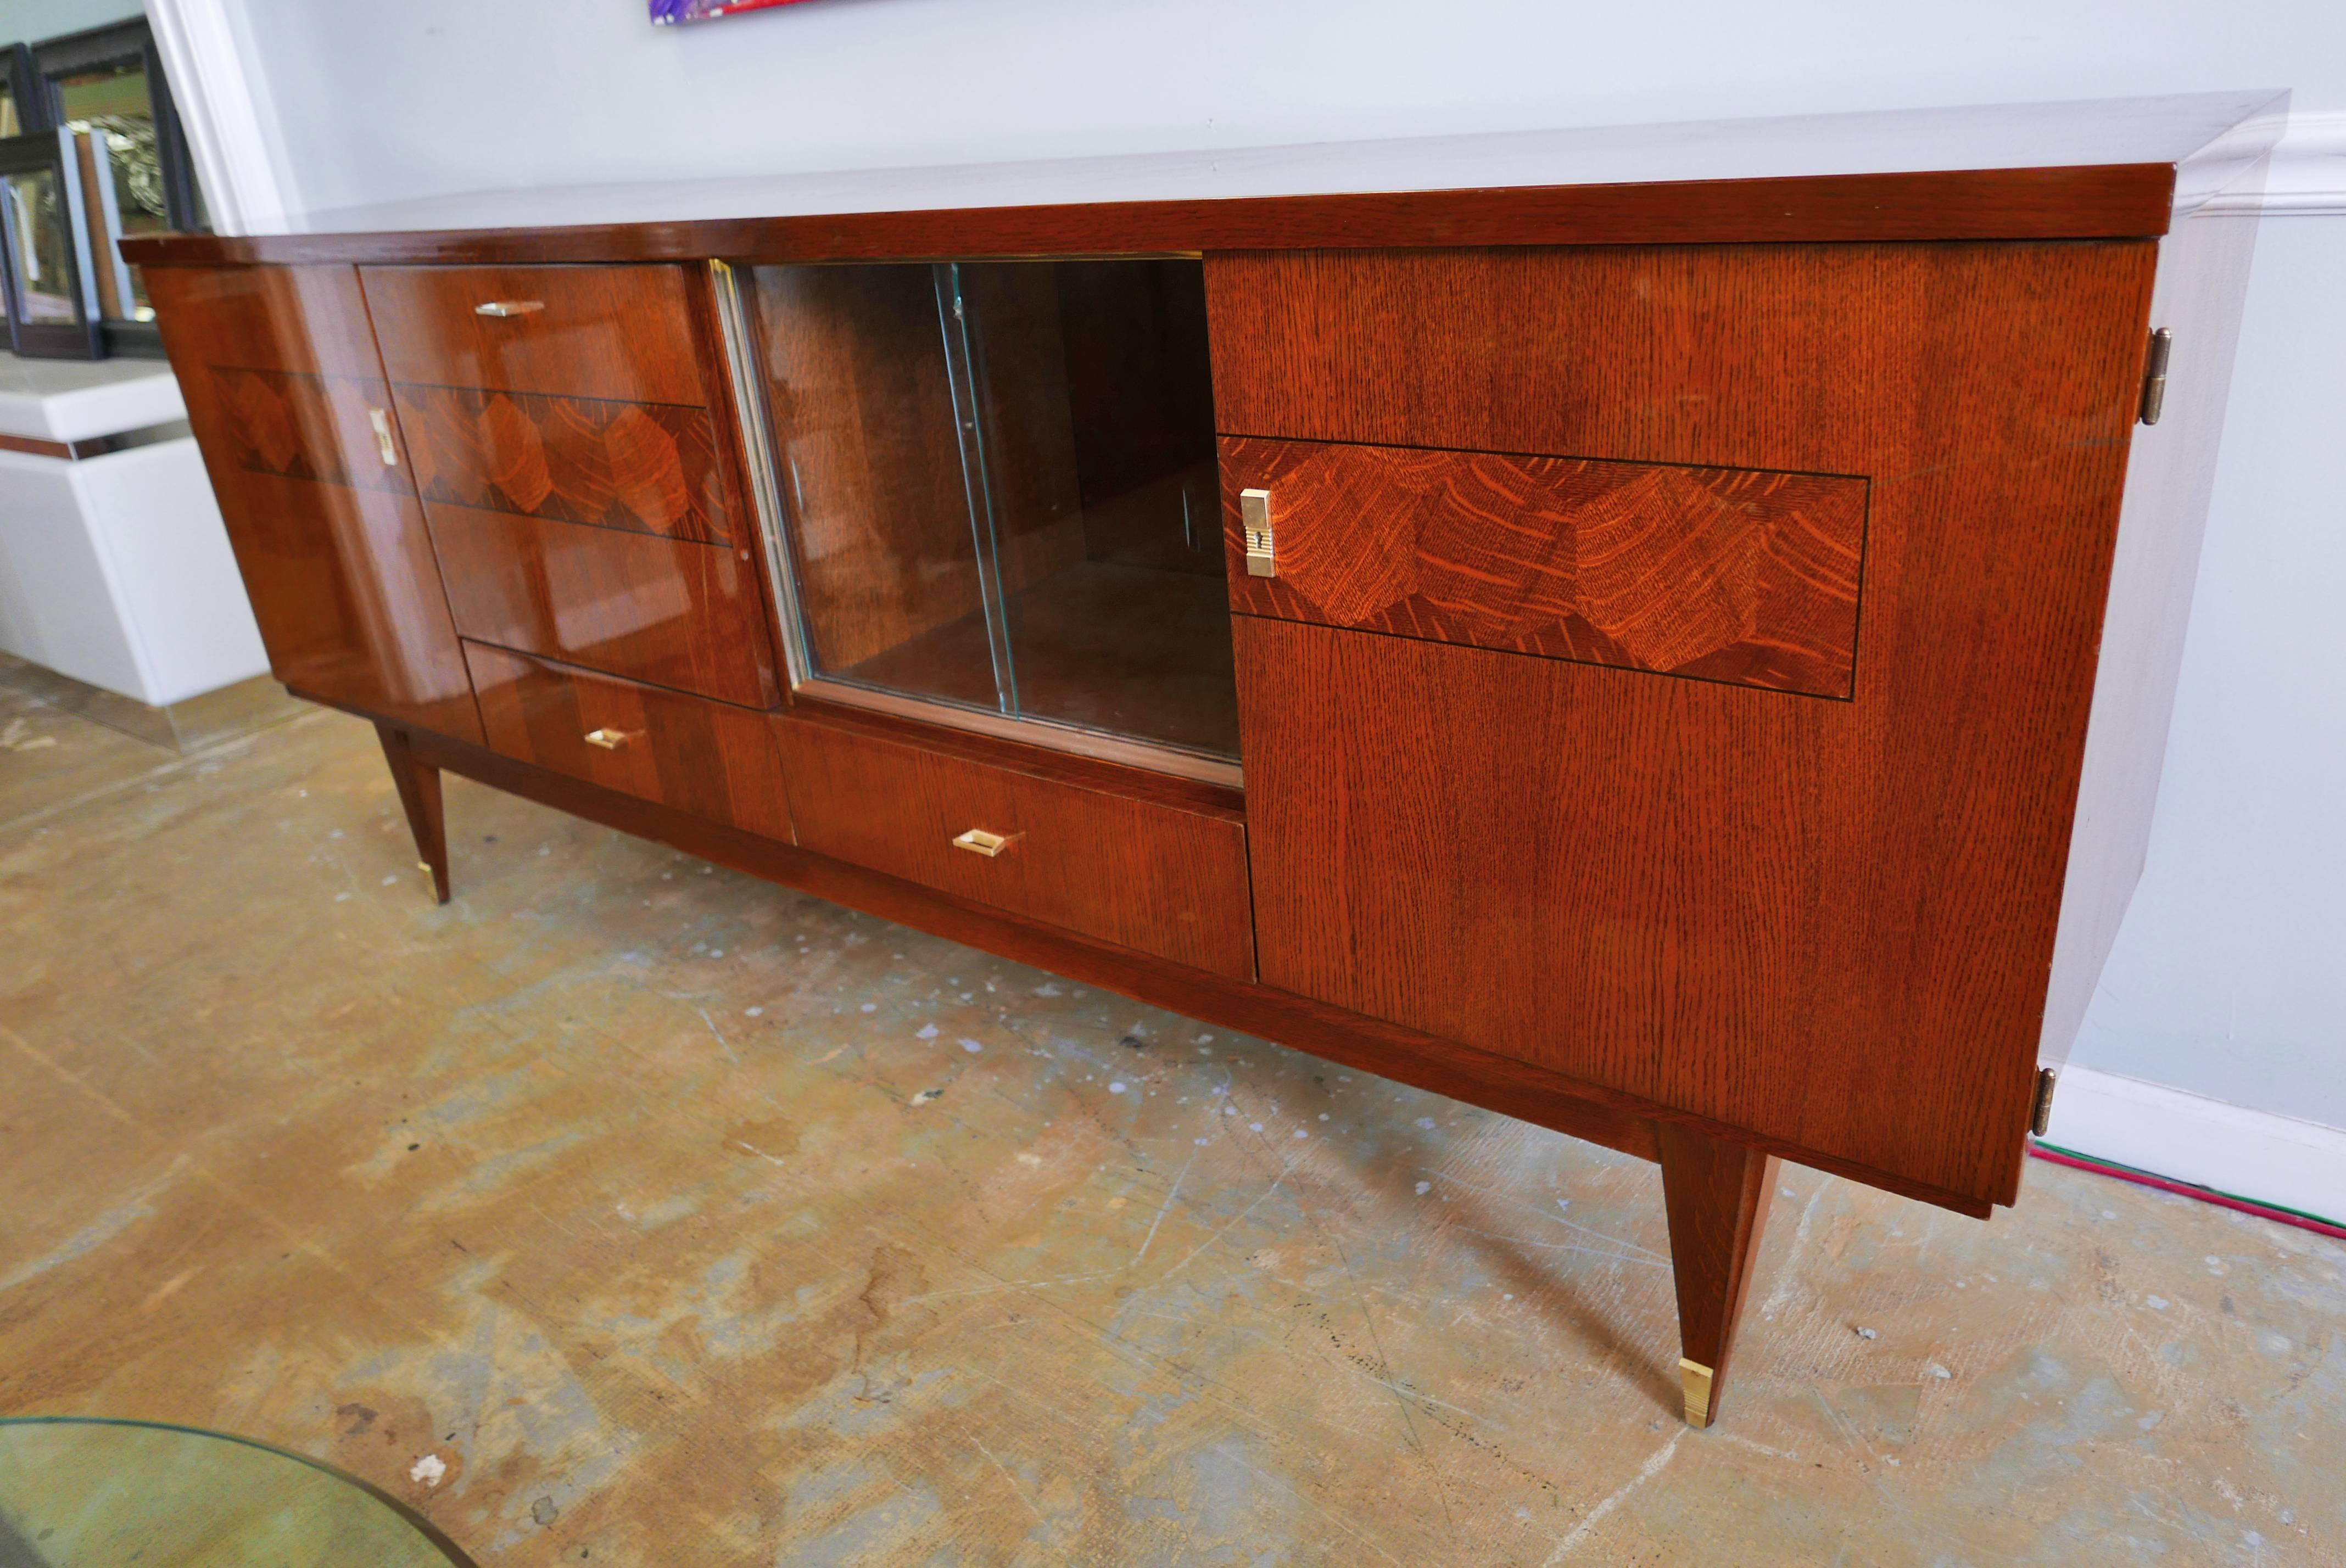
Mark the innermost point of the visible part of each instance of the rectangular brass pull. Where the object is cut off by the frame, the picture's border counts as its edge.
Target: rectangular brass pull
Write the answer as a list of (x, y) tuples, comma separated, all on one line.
[(608, 739), (978, 841), (383, 444), (1254, 516), (507, 307)]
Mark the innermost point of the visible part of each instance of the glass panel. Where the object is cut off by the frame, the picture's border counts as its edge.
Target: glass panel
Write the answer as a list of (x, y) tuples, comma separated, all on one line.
[(9, 124), (1001, 488), (78, 1490), (113, 118), (32, 205)]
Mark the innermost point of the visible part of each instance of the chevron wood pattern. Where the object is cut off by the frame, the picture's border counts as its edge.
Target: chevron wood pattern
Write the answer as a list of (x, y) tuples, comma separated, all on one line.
[(297, 425), (651, 468), (1723, 574)]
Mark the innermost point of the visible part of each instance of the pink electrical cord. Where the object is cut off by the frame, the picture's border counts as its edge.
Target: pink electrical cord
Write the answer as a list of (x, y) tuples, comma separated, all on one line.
[(2205, 1194)]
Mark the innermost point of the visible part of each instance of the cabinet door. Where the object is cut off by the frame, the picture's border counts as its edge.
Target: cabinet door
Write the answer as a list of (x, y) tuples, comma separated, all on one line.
[(289, 403), (1682, 678)]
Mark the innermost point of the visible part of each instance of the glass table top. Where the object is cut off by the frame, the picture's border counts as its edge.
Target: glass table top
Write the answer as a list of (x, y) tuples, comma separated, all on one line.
[(87, 1493)]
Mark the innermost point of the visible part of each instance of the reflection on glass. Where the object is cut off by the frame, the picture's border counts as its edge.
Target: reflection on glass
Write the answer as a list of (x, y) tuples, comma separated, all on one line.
[(1001, 489), (32, 207), (9, 124), (112, 116)]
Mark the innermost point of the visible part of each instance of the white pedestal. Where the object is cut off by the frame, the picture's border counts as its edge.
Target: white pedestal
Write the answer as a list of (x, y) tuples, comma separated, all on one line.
[(115, 569)]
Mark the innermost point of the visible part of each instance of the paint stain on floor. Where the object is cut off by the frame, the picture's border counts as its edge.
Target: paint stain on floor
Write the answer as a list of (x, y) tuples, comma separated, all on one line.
[(629, 1211)]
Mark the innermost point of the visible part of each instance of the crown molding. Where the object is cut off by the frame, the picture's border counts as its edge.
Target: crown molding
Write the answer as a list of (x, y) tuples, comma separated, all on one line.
[(2307, 177), (222, 104)]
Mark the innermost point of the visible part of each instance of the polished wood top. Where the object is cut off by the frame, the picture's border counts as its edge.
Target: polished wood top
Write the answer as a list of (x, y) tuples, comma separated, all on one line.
[(2092, 202), (2109, 169)]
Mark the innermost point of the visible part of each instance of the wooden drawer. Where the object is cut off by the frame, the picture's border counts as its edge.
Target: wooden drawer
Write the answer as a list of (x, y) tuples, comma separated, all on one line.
[(1721, 573), (622, 333), (667, 611), (1163, 879), (589, 402), (710, 759)]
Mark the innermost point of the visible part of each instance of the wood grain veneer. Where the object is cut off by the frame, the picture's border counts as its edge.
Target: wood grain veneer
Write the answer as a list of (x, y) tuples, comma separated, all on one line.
[(1716, 573), (709, 759), (279, 370), (418, 784), (1537, 1095), (1827, 922), (2094, 201), (1368, 1044), (302, 426), (1157, 878), (1717, 1195), (650, 467), (625, 334), (664, 611), (1688, 428)]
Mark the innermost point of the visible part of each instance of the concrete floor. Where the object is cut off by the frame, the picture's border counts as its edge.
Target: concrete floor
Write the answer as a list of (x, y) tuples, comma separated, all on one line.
[(678, 1218)]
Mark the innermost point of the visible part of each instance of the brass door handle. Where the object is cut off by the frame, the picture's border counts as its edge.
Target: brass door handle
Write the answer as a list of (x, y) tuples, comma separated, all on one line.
[(978, 841), (507, 307), (608, 739), (381, 420)]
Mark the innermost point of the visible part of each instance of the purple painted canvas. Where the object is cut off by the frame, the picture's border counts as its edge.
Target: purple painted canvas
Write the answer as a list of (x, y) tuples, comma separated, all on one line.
[(669, 13)]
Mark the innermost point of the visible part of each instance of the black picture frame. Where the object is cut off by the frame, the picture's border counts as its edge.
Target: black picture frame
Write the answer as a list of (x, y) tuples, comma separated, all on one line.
[(82, 338), (128, 43), (21, 84), (119, 44)]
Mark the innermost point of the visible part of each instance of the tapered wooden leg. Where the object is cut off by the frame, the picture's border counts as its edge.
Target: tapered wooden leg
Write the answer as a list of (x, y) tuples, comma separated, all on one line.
[(419, 791), (1717, 1194)]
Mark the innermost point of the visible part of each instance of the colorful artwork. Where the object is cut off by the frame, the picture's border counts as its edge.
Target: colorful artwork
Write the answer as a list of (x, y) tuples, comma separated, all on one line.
[(672, 12)]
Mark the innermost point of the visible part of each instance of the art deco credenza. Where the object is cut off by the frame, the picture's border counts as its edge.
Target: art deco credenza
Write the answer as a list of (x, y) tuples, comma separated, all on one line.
[(1678, 657)]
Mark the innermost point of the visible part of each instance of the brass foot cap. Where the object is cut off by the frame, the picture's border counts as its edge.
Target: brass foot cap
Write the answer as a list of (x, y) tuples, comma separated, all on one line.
[(1695, 1380)]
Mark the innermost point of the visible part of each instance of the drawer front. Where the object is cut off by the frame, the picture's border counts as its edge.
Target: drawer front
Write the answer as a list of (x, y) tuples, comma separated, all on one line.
[(666, 611), (1156, 877), (647, 468), (622, 333), (710, 759), (1721, 573)]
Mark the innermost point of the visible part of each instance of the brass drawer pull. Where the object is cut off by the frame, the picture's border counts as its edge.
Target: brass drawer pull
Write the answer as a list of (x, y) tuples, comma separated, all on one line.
[(1254, 518), (978, 841), (508, 307), (608, 739)]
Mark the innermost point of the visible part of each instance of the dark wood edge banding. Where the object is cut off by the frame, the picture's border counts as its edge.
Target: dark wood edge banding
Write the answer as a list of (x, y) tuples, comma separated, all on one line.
[(2094, 201), (1518, 1089)]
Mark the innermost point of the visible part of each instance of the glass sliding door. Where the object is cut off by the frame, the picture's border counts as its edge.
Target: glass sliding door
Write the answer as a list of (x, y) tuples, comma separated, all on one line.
[(999, 494)]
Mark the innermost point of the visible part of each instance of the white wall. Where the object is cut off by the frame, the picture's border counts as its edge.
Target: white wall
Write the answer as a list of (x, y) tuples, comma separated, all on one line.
[(34, 21), (2229, 979), (2230, 976), (428, 97)]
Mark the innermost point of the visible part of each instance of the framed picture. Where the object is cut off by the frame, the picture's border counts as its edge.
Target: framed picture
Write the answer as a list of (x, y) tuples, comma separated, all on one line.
[(20, 95), (44, 260), (130, 158), (672, 12)]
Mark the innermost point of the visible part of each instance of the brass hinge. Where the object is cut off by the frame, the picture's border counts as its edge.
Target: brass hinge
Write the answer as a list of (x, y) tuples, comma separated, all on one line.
[(2153, 375), (2040, 1115)]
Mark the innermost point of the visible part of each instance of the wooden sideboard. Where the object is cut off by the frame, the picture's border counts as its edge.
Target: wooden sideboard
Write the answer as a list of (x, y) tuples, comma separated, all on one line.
[(1682, 661)]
